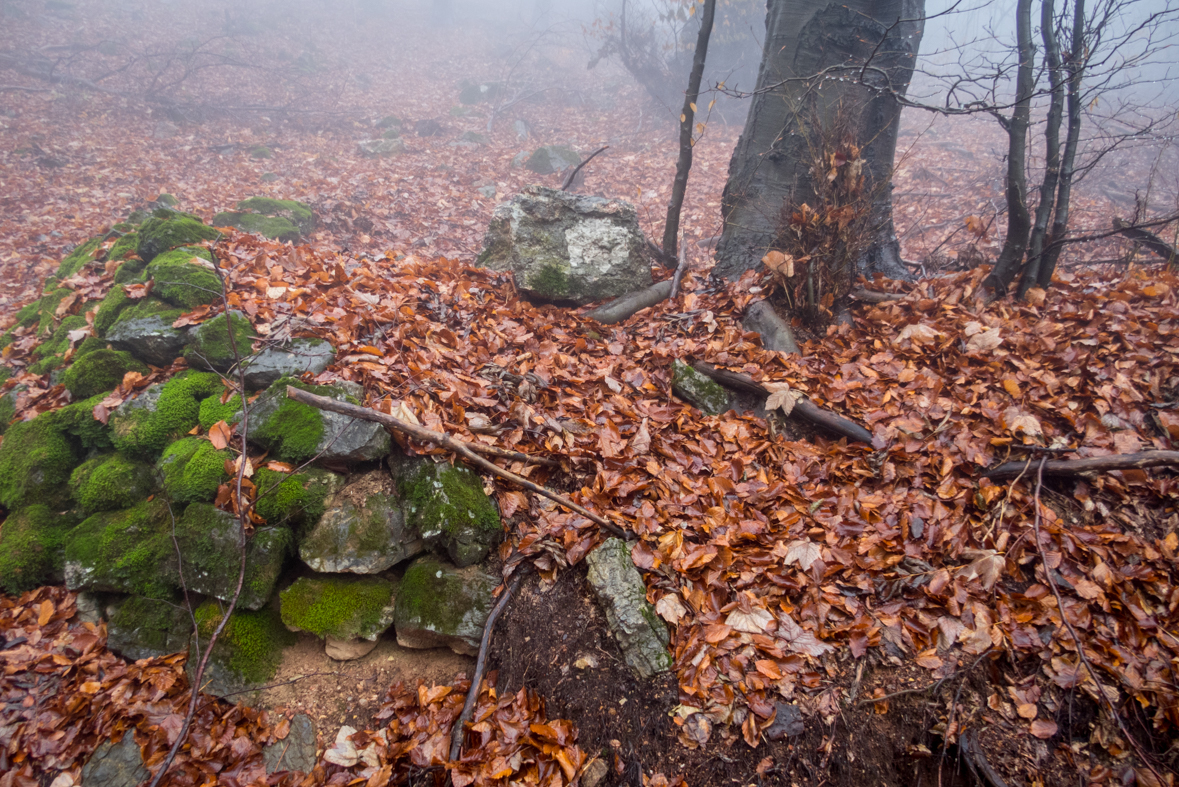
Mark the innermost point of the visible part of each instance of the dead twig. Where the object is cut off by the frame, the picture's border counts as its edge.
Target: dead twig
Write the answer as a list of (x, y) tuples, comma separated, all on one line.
[(872, 296), (465, 450), (1097, 464), (569, 178)]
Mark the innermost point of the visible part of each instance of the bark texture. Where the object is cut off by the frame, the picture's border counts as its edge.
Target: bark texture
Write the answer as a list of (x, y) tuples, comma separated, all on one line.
[(817, 57)]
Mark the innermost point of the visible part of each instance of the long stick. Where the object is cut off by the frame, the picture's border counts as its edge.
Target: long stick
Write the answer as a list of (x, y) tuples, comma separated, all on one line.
[(451, 444), (456, 732), (569, 178), (1097, 464)]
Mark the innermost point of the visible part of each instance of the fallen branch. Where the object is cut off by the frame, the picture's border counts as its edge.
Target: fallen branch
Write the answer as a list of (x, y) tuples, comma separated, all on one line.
[(619, 309), (1096, 464), (1148, 239), (679, 273), (569, 178), (804, 408), (776, 333), (456, 732), (871, 296), (465, 450)]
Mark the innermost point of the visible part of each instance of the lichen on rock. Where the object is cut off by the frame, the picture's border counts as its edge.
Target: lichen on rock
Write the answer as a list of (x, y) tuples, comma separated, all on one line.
[(297, 432), (699, 390), (340, 607), (640, 633)]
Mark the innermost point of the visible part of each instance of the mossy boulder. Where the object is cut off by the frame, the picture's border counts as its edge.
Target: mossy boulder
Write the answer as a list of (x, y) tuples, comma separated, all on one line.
[(439, 605), (297, 432), (129, 551), (297, 213), (144, 628), (273, 227), (145, 330), (132, 271), (698, 390), (209, 539), (363, 530), (210, 346), (299, 357), (339, 607), (294, 500), (447, 507), (78, 423), (124, 248), (142, 427), (245, 656), (47, 308), (31, 542), (111, 482), (552, 158), (8, 402), (192, 469), (110, 308), (184, 277), (169, 230), (217, 408), (100, 371), (78, 258), (36, 460)]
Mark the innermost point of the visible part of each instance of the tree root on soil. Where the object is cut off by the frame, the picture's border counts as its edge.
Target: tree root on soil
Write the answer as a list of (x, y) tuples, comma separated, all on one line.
[(1097, 464)]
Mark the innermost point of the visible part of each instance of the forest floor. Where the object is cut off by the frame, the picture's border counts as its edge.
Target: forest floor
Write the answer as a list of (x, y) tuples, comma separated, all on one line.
[(903, 607)]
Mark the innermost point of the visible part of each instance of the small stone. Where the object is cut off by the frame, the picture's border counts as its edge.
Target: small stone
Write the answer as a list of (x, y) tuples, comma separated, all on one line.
[(348, 649), (488, 191), (296, 752), (586, 661), (552, 158), (641, 635), (374, 148), (594, 773), (115, 765), (427, 128), (787, 724)]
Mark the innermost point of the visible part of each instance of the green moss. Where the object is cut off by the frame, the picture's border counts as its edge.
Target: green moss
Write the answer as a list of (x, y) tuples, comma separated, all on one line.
[(141, 429), (209, 538), (36, 459), (700, 391), (100, 371), (182, 279), (192, 470), (127, 551), (148, 307), (214, 410), (296, 211), (124, 247), (46, 365), (107, 483), (391, 133), (29, 314), (210, 347), (337, 606), (273, 227), (31, 548), (551, 281), (131, 272), (109, 310), (59, 342), (251, 643), (441, 597), (293, 499), (78, 422), (261, 151), (150, 626), (8, 408), (294, 431), (47, 319), (167, 200), (78, 258), (159, 234), (447, 498)]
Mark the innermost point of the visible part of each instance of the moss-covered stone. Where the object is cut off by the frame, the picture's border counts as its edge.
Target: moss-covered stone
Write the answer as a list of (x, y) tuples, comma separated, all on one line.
[(209, 540), (261, 151), (294, 500), (167, 200), (127, 245), (296, 432), (31, 548), (129, 551), (141, 427), (698, 390), (184, 278), (77, 421), (100, 371), (111, 482), (144, 628), (363, 529), (338, 607), (47, 309), (300, 214), (8, 402), (246, 654), (446, 505), (192, 469), (439, 605), (157, 235), (109, 310), (550, 282), (46, 365), (78, 258), (273, 227), (59, 341), (211, 347), (214, 410), (36, 459), (131, 271)]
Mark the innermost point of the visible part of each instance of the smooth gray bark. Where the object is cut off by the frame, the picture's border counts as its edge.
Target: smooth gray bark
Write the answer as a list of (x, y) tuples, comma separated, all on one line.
[(817, 57)]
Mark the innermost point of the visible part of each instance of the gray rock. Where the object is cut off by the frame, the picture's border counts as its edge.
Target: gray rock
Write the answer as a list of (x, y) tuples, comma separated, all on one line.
[(439, 605), (343, 439), (115, 765), (90, 607), (144, 628), (619, 587), (150, 339), (427, 128), (520, 159), (208, 540), (568, 247), (522, 131), (446, 506), (296, 752), (362, 530), (348, 649), (552, 158), (788, 723), (698, 390), (487, 191), (298, 357), (374, 148)]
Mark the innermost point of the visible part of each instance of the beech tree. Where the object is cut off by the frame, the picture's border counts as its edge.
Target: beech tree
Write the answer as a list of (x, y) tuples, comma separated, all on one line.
[(824, 115)]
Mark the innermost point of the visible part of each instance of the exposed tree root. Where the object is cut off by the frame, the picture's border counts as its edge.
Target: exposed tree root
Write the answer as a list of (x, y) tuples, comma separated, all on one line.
[(1097, 464), (619, 309)]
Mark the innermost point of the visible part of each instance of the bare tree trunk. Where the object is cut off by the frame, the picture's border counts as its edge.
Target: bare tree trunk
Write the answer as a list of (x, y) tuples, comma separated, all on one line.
[(687, 120), (820, 56), (1018, 219), (1076, 69), (1031, 271)]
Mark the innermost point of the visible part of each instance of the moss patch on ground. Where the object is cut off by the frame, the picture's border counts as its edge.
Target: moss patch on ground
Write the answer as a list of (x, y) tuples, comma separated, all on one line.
[(192, 470), (128, 551), (108, 483), (251, 644), (273, 227), (338, 607), (211, 348), (100, 371), (31, 548), (183, 278), (143, 427)]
